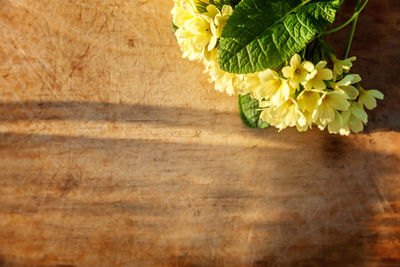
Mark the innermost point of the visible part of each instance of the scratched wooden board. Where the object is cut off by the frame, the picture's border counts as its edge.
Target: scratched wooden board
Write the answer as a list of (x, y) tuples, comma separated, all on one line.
[(115, 151)]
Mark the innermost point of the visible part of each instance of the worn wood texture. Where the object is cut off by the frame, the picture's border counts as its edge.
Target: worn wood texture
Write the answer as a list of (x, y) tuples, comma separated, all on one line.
[(115, 151)]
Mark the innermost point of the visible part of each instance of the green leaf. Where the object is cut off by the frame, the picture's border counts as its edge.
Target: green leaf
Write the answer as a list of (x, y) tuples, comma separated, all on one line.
[(174, 27), (250, 113), (263, 34)]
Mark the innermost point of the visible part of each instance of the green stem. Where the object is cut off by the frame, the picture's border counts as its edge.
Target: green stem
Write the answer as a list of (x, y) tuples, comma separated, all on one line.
[(352, 31), (354, 17), (350, 39), (326, 49)]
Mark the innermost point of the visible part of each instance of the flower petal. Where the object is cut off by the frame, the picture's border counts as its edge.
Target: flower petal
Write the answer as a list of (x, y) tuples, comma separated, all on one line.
[(336, 124), (287, 71), (267, 74), (307, 65), (212, 44), (368, 101), (226, 10), (376, 94), (350, 91), (327, 114), (295, 61), (357, 127), (359, 113), (338, 101), (321, 65), (350, 79), (325, 74)]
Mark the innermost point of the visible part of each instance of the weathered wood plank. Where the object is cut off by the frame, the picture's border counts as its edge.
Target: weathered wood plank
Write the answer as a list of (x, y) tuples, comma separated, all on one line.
[(115, 151)]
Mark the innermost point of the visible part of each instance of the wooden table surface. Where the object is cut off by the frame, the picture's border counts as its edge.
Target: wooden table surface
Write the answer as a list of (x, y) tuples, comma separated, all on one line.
[(115, 151)]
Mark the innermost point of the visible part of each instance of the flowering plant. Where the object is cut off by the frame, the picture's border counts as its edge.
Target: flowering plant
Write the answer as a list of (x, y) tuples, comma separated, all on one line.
[(272, 54)]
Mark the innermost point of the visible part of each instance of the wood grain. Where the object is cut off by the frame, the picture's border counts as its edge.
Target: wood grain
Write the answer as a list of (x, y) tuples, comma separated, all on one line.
[(116, 152)]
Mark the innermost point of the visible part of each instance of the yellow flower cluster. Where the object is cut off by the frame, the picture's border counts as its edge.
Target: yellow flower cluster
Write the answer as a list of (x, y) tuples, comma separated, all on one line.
[(306, 94), (197, 36), (299, 95)]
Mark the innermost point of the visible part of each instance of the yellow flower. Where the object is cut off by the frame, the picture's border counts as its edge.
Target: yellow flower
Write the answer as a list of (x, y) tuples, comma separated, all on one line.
[(283, 93), (354, 118), (221, 18), (316, 78), (297, 72), (273, 121), (183, 12), (212, 12), (308, 116), (196, 33), (336, 126), (345, 86), (340, 66), (266, 84), (368, 98), (248, 83), (287, 114), (328, 103), (223, 81), (195, 37), (308, 100)]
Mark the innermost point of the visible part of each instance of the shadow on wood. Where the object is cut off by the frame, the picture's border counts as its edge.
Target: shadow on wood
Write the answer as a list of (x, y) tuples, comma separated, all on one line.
[(326, 206), (384, 118)]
